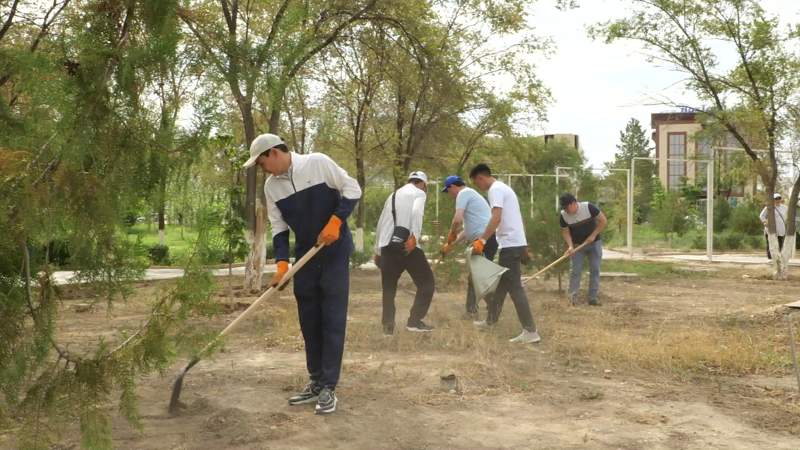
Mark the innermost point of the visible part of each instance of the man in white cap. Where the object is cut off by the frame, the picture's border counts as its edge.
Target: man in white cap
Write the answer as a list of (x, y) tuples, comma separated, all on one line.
[(312, 196), (780, 221), (397, 251)]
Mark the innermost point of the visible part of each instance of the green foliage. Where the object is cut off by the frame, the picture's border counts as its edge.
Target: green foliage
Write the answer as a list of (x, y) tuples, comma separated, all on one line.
[(635, 143), (744, 219), (732, 241), (750, 101), (670, 213), (358, 258), (722, 214), (76, 158), (543, 233), (450, 273), (159, 254), (653, 270)]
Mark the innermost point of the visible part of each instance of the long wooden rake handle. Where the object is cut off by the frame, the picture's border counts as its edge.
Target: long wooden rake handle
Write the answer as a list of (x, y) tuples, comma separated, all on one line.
[(266, 295), (554, 263), (174, 402)]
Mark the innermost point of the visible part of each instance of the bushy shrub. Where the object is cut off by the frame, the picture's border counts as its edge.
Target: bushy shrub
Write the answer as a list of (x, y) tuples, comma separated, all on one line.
[(722, 214), (744, 219), (699, 242), (158, 254), (359, 258), (733, 240), (670, 214)]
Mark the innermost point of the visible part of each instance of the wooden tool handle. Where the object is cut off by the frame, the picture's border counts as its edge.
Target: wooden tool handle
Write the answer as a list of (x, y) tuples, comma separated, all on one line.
[(555, 263), (266, 295)]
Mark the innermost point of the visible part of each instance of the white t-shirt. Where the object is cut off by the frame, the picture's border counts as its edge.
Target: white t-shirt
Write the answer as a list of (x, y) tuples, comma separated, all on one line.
[(511, 232)]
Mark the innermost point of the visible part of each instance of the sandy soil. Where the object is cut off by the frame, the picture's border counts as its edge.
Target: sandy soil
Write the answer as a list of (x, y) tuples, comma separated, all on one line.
[(549, 396)]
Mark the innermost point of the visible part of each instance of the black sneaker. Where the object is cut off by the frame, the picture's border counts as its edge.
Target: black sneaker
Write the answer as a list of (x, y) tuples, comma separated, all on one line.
[(388, 330), (309, 394), (594, 302), (326, 403), (419, 327)]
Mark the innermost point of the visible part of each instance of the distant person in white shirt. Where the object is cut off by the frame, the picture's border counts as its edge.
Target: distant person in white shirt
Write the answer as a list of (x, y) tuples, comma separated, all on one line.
[(506, 223), (397, 251), (780, 222)]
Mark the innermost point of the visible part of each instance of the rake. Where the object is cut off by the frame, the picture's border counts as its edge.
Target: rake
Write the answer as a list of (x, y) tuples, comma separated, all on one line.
[(553, 264), (174, 402)]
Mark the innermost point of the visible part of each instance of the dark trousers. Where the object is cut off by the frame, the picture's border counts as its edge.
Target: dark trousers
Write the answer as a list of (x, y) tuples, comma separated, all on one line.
[(322, 287), (511, 283), (489, 250), (780, 244), (393, 264)]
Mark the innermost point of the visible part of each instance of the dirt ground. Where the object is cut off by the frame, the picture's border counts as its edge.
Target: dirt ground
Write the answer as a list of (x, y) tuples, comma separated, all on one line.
[(684, 359)]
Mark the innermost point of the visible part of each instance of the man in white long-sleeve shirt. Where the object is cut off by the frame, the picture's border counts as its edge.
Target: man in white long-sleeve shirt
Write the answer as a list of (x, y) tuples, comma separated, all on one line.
[(396, 251), (780, 222)]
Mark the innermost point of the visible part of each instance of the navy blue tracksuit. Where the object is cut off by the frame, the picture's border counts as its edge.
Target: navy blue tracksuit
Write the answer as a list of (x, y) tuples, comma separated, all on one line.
[(303, 200)]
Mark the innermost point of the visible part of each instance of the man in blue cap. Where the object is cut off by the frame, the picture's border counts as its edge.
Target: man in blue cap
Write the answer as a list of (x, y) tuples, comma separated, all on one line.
[(470, 219)]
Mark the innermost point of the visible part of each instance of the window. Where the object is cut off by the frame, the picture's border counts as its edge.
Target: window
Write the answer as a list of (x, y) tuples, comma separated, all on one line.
[(703, 152), (676, 170)]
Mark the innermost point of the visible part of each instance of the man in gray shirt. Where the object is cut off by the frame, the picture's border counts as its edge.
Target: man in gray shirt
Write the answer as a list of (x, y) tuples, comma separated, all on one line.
[(582, 222), (472, 214)]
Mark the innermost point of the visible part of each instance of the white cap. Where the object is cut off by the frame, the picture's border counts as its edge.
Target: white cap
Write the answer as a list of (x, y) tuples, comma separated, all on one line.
[(776, 196), (418, 175), (261, 143)]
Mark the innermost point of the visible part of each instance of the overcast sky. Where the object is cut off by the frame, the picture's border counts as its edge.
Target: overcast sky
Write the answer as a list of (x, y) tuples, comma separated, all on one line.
[(596, 87)]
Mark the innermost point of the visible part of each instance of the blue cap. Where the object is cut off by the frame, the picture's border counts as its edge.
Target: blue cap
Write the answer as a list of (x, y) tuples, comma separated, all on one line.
[(451, 180)]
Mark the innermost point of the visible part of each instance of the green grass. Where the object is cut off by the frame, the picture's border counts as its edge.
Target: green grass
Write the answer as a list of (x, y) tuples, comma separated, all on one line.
[(646, 237), (180, 240), (650, 269)]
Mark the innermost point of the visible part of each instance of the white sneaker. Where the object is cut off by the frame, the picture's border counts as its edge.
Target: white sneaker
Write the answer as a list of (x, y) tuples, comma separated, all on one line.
[(527, 337), (480, 323)]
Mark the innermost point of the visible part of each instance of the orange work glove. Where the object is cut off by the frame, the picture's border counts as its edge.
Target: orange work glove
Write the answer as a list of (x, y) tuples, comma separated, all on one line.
[(477, 247), (411, 244), (330, 233), (283, 267), (451, 237)]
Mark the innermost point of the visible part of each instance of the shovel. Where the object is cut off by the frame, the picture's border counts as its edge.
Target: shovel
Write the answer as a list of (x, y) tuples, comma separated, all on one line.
[(174, 402)]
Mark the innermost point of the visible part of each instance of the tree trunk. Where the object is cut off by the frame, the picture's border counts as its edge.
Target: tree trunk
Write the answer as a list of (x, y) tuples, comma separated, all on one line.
[(361, 215), (254, 265), (779, 258), (162, 202), (161, 225)]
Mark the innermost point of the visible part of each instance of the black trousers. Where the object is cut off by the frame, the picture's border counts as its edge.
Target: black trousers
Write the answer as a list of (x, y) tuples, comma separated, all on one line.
[(780, 244), (511, 283), (393, 264), (322, 288), (489, 250)]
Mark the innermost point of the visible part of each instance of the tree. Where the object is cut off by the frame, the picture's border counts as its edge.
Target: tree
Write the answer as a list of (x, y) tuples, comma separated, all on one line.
[(75, 139), (354, 74), (670, 213), (750, 100), (439, 81), (634, 143), (258, 60)]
